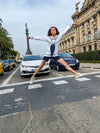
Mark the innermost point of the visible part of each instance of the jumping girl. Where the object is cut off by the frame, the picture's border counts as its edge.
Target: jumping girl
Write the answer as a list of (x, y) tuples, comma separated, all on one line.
[(53, 40)]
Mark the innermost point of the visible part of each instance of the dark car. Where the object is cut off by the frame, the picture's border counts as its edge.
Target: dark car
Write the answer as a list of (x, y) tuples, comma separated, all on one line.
[(6, 65), (68, 58), (13, 63)]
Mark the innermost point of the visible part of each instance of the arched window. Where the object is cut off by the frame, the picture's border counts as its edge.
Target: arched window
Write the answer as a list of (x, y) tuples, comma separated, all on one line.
[(84, 38), (89, 35), (90, 48), (73, 51), (95, 47), (95, 33), (84, 49)]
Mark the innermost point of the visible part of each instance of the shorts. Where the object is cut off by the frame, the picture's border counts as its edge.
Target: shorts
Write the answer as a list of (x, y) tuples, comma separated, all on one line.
[(45, 58)]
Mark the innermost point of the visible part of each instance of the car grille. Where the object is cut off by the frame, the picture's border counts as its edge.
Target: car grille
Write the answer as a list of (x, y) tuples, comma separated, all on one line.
[(33, 71), (33, 66)]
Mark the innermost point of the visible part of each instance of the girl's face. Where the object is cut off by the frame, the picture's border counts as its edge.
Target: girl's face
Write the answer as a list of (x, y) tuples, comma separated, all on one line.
[(53, 31)]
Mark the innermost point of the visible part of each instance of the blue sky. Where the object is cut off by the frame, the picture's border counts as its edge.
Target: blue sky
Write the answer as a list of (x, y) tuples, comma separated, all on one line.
[(40, 15)]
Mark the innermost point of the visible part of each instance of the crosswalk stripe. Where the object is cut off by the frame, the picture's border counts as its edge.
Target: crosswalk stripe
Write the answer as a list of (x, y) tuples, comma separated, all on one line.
[(98, 76), (83, 79), (60, 82), (34, 86), (6, 91)]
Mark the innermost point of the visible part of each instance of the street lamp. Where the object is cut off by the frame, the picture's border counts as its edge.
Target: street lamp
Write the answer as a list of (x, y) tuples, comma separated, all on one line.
[(28, 48)]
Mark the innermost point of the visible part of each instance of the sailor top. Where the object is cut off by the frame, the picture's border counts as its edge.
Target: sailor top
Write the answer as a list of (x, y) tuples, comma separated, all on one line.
[(51, 41)]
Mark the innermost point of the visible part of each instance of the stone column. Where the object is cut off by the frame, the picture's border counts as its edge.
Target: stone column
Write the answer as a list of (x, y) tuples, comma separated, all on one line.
[(98, 25), (92, 29)]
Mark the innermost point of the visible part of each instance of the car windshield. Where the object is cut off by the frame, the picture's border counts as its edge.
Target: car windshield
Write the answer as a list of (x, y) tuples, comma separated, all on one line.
[(32, 57), (11, 60), (4, 61), (65, 55)]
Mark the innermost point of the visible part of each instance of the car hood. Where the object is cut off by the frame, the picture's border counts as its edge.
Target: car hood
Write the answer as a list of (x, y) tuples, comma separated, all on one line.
[(5, 64), (31, 63), (69, 59)]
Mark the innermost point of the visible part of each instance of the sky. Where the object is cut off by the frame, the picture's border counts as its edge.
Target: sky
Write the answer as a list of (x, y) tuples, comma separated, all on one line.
[(39, 15)]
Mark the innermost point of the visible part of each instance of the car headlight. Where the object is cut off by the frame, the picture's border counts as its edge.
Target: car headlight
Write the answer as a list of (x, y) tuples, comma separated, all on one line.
[(77, 61), (24, 66)]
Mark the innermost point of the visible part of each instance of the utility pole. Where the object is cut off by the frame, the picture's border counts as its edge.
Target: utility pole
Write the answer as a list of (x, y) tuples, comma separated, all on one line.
[(28, 48)]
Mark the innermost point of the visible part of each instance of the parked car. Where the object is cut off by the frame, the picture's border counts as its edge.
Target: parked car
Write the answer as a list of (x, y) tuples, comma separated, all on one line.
[(30, 63), (13, 63), (1, 68), (19, 61), (7, 65), (68, 58)]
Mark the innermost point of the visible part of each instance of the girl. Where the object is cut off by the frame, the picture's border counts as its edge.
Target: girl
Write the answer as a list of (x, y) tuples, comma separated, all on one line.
[(53, 40)]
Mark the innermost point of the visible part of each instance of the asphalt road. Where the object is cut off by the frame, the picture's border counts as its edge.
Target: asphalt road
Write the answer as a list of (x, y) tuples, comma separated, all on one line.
[(55, 103)]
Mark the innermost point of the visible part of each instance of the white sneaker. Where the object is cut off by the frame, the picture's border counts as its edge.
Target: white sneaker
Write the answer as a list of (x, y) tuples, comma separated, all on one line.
[(32, 80), (78, 75)]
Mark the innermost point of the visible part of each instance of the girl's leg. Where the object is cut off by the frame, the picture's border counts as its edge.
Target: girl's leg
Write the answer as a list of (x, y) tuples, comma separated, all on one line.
[(61, 61), (38, 69)]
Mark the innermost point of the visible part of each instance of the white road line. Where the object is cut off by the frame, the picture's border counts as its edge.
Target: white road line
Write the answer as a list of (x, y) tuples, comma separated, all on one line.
[(34, 86), (6, 91), (98, 76), (60, 82), (18, 99), (26, 82), (7, 115), (83, 79), (58, 74), (8, 79)]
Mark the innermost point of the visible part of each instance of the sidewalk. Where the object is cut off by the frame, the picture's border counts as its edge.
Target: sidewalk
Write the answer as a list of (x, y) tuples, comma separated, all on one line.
[(90, 65)]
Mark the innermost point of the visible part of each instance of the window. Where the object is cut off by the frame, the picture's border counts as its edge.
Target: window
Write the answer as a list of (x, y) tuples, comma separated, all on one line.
[(66, 43), (90, 48), (95, 47), (89, 35), (69, 42), (95, 33), (94, 17), (73, 51), (84, 38), (73, 41), (84, 49)]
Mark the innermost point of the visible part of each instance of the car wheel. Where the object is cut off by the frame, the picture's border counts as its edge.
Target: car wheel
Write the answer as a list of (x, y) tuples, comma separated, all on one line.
[(58, 69)]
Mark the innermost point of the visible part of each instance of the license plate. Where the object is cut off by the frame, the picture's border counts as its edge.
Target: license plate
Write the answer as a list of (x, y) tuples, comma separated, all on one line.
[(71, 64)]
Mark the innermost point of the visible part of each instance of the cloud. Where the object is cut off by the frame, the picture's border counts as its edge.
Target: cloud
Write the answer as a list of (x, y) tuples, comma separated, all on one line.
[(40, 16)]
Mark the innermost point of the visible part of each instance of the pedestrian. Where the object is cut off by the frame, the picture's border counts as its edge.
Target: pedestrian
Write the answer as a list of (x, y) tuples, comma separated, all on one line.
[(53, 39)]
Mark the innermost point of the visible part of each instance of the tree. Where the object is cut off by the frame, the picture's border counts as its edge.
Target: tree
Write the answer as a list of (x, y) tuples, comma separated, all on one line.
[(6, 42)]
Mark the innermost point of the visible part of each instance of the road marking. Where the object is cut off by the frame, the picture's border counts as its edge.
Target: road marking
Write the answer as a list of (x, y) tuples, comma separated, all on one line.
[(8, 79), (41, 80), (7, 115), (58, 74), (18, 99), (6, 91), (60, 82), (98, 76), (83, 79), (34, 86)]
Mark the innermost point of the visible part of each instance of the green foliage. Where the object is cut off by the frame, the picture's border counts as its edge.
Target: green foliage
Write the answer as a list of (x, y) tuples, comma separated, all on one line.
[(13, 52), (88, 56), (6, 43)]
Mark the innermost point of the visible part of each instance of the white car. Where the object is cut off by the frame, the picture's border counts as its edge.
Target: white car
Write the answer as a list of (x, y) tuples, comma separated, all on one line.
[(30, 63)]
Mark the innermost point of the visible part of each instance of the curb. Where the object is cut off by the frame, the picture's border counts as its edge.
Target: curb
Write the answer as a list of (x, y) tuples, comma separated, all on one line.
[(90, 67)]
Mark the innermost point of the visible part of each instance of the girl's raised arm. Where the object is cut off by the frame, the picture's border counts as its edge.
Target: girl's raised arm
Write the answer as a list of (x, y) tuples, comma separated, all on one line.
[(44, 38)]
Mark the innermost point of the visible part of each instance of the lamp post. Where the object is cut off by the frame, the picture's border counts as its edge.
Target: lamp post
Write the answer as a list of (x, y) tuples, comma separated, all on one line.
[(28, 48)]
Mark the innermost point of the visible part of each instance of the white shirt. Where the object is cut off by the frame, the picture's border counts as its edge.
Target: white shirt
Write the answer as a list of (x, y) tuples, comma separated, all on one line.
[(51, 41)]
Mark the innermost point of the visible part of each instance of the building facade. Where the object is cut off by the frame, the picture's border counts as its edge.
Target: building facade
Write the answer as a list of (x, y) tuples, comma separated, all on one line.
[(85, 36), (17, 56)]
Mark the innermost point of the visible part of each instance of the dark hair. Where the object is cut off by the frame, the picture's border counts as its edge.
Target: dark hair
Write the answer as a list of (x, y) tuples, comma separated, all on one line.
[(49, 31)]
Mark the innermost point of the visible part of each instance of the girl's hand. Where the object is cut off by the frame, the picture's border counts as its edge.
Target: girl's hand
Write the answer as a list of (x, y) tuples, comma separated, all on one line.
[(29, 37)]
